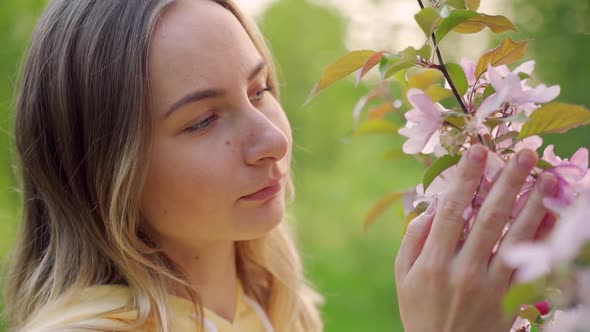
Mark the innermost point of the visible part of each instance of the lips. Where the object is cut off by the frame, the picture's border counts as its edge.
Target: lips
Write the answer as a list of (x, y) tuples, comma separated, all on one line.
[(269, 190)]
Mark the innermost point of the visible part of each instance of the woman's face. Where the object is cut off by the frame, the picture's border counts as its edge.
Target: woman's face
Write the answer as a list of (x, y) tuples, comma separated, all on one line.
[(221, 143)]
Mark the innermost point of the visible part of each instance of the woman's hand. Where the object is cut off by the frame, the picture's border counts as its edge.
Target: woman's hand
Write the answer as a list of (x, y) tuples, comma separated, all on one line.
[(445, 284)]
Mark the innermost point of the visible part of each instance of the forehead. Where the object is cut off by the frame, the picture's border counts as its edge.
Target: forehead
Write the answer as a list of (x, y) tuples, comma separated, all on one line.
[(199, 44)]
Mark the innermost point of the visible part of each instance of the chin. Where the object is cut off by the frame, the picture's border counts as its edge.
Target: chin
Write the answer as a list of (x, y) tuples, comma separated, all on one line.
[(261, 220)]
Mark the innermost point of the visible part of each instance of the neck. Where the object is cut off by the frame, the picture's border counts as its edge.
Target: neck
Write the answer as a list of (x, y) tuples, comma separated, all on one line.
[(211, 270)]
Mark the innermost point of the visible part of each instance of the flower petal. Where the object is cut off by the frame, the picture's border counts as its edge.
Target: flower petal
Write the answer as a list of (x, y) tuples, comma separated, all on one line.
[(531, 260), (580, 158), (527, 68), (550, 157), (540, 95)]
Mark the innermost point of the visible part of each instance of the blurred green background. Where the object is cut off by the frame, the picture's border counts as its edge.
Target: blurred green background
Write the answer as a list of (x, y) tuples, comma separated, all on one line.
[(337, 178)]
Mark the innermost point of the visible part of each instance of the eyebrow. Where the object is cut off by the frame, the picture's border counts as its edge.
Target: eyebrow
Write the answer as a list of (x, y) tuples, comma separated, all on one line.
[(195, 96)]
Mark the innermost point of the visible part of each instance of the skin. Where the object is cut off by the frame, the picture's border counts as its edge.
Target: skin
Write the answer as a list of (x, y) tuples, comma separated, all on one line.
[(445, 284), (239, 142), (194, 205)]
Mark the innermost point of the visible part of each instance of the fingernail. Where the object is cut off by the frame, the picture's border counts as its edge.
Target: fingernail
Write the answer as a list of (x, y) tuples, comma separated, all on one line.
[(477, 153), (526, 158), (548, 184)]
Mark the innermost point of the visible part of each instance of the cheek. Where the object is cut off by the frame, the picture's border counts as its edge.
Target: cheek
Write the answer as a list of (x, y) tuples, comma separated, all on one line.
[(185, 184)]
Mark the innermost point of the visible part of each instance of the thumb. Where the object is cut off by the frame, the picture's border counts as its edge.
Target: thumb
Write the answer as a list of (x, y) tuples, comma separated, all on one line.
[(413, 241)]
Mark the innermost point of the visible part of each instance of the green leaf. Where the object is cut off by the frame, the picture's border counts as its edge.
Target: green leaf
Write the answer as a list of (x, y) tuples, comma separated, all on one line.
[(380, 207), (508, 151), (530, 313), (439, 166), (472, 4), (459, 4), (583, 258), (518, 117), (425, 78), (555, 118), (456, 120), (371, 62), (340, 69), (406, 59), (421, 207), (425, 51), (428, 19), (458, 77), (375, 126), (496, 23), (384, 63), (488, 91), (493, 122), (511, 135), (508, 52), (542, 164), (524, 76), (521, 294), (437, 93), (455, 18), (401, 77)]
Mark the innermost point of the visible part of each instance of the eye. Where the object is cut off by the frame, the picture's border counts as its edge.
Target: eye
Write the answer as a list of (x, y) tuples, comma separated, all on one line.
[(202, 124), (260, 94)]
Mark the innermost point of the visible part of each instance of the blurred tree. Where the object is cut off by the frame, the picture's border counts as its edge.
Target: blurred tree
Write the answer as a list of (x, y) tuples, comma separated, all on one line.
[(330, 175), (561, 45), (17, 19)]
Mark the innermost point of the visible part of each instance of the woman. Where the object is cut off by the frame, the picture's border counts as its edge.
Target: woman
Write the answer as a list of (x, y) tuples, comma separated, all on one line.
[(155, 162)]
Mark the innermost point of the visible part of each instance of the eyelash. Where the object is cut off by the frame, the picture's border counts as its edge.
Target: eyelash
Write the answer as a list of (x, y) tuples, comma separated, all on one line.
[(211, 119), (202, 124), (261, 92)]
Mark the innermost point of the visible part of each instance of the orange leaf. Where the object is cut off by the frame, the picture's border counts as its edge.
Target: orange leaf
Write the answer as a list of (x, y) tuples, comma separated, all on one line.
[(507, 53), (379, 112), (340, 69), (383, 204), (371, 62), (496, 23), (421, 207), (473, 4)]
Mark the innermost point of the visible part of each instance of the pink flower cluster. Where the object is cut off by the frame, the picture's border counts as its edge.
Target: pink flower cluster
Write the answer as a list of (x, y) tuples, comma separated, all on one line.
[(498, 104)]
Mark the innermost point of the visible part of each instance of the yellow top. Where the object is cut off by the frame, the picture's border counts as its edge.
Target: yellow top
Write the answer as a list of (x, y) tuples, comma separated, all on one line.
[(113, 304)]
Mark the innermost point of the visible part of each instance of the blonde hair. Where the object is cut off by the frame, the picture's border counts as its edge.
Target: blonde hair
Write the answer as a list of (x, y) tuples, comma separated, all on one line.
[(82, 135)]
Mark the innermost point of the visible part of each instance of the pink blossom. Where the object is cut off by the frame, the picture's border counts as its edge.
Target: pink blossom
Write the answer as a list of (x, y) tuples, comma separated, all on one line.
[(575, 320), (570, 175), (544, 307), (570, 234), (526, 68), (441, 183), (532, 142), (469, 69), (424, 122), (521, 325), (510, 89), (578, 318)]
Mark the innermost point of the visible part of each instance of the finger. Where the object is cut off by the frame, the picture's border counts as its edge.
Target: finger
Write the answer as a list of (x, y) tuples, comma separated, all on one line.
[(449, 222), (525, 226), (530, 218), (496, 209), (413, 242), (546, 226)]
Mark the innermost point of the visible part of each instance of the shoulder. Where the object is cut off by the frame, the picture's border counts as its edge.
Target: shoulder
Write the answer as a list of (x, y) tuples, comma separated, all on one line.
[(103, 307)]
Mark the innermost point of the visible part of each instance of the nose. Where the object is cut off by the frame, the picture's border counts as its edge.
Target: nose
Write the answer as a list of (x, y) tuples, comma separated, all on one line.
[(268, 137)]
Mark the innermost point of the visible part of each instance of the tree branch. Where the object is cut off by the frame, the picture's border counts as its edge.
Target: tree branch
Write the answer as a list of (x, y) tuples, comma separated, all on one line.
[(443, 69)]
